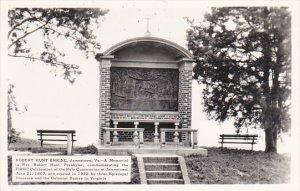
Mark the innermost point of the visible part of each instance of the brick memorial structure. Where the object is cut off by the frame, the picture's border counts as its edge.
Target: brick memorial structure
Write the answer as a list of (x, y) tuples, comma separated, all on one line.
[(145, 93)]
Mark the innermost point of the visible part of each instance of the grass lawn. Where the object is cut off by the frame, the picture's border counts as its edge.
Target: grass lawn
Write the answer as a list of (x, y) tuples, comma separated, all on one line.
[(233, 166), (230, 166), (34, 146)]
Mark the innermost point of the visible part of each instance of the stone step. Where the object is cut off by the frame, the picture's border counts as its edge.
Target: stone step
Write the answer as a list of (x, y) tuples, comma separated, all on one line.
[(165, 181), (163, 175), (161, 160), (162, 167)]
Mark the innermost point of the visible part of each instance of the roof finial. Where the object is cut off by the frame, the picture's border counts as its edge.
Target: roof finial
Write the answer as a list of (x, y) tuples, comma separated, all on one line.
[(147, 32)]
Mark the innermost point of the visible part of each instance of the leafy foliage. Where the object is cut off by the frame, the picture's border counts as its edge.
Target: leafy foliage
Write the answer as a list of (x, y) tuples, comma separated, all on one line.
[(53, 24), (243, 59)]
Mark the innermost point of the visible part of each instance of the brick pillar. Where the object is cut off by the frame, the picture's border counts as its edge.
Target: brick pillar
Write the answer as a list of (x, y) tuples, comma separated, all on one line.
[(104, 94), (185, 94)]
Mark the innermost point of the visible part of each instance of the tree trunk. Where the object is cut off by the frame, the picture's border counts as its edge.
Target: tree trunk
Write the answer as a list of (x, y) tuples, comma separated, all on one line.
[(270, 127), (9, 126), (271, 139)]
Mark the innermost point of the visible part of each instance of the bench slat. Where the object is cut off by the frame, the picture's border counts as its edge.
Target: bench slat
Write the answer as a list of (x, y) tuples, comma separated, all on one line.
[(54, 135), (56, 131), (239, 142), (56, 140), (250, 139), (238, 135), (239, 138)]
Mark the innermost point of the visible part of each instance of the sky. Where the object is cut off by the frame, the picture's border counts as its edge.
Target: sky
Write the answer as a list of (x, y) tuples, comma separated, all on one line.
[(53, 103)]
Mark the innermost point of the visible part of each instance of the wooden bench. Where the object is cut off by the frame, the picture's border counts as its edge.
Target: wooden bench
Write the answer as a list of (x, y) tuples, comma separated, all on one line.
[(55, 135), (238, 139)]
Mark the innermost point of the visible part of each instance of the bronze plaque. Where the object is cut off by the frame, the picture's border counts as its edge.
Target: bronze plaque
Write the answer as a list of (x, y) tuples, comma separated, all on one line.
[(144, 89)]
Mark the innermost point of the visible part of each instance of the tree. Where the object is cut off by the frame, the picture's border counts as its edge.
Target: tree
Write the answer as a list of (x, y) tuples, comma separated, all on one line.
[(53, 24), (243, 59), (12, 134)]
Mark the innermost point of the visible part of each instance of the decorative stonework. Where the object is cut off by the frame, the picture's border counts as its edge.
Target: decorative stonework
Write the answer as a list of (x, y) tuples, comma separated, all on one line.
[(144, 115), (144, 89)]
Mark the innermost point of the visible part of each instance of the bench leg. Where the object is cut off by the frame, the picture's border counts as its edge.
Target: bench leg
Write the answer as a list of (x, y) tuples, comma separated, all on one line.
[(72, 141), (69, 144), (41, 137), (222, 143)]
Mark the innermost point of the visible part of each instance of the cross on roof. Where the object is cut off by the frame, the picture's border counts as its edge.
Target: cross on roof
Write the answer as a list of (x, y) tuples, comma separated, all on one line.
[(148, 32)]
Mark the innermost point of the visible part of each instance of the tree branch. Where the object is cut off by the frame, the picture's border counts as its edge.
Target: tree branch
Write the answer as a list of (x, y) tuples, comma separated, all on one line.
[(63, 34), (28, 57), (27, 34), (67, 68), (19, 24), (34, 58), (70, 36)]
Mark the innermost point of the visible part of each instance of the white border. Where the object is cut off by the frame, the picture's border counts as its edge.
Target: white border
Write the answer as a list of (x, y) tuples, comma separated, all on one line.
[(295, 7)]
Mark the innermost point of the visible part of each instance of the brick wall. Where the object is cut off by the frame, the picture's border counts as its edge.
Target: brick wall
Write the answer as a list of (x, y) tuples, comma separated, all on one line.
[(185, 95), (184, 98), (104, 95)]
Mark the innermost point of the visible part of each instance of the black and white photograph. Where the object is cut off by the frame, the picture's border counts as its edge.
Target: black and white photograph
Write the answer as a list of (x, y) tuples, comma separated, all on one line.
[(135, 95)]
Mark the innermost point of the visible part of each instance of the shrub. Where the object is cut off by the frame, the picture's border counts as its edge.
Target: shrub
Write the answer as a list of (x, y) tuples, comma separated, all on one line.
[(90, 149), (12, 135)]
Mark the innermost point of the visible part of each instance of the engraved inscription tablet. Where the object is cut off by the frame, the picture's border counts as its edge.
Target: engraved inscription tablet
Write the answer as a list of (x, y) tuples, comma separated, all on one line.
[(146, 89)]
